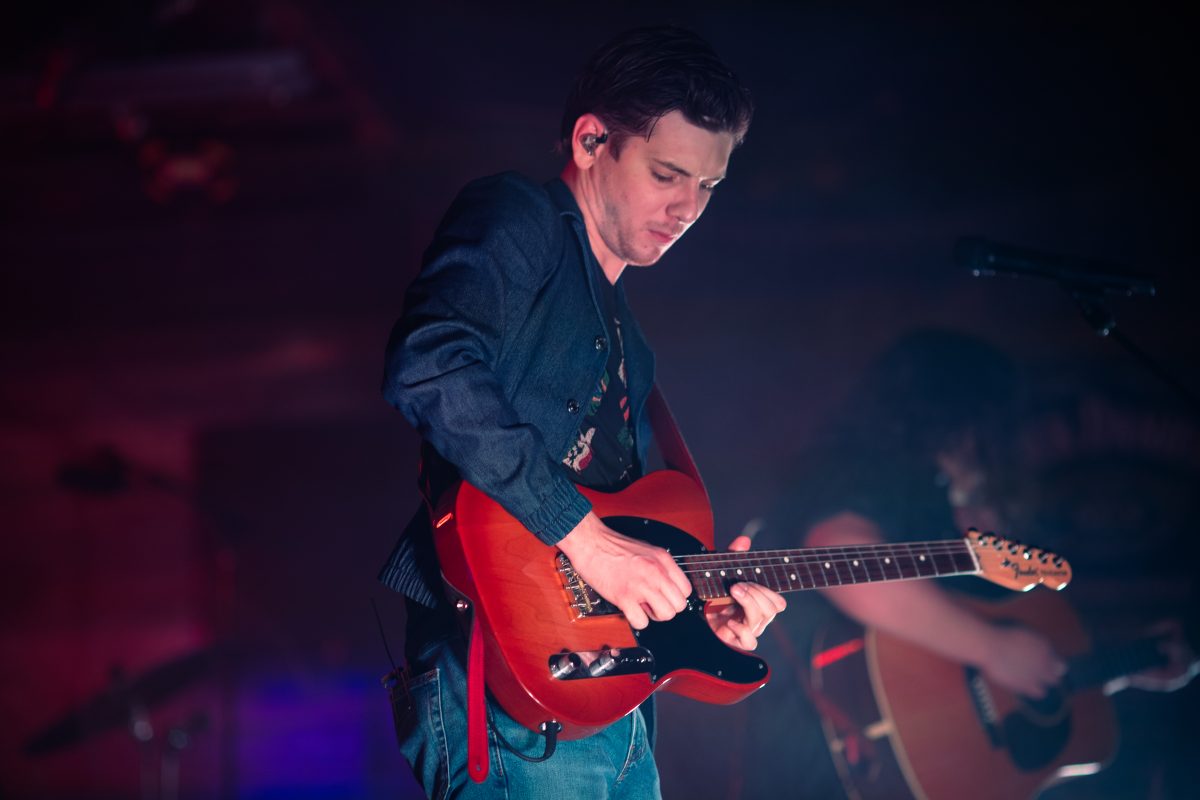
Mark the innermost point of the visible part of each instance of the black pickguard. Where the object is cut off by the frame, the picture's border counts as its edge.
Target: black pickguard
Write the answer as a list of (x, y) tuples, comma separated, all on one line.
[(1037, 733), (686, 641)]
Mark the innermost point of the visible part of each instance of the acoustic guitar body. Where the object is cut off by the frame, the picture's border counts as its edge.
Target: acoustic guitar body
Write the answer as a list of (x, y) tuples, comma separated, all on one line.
[(926, 727)]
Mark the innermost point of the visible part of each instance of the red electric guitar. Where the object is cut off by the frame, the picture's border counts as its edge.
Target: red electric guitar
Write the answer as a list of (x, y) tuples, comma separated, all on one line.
[(555, 651)]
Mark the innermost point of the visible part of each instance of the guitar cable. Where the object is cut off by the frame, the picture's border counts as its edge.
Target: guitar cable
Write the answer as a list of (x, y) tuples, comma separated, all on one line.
[(383, 635), (550, 730), (400, 699)]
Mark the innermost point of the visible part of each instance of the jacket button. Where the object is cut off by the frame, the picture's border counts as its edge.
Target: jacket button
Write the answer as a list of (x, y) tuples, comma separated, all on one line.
[(572, 407), (601, 343)]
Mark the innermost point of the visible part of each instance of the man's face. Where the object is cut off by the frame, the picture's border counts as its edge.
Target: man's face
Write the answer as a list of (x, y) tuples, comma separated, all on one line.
[(657, 188)]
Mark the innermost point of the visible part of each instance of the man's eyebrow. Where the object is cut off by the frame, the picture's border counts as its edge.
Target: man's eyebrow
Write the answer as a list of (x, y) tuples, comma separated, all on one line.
[(680, 170)]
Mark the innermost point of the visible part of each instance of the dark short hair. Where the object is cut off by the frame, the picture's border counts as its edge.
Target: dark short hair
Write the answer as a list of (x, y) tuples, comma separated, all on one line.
[(927, 389), (645, 73)]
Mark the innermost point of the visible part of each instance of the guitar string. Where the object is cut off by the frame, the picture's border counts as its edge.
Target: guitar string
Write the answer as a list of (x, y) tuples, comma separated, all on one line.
[(879, 565), (850, 559), (714, 586), (825, 569), (819, 555), (858, 569), (883, 549), (787, 574), (823, 553), (809, 576), (785, 557), (873, 560)]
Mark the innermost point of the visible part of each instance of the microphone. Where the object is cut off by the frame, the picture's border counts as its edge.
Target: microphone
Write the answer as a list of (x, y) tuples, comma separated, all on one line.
[(988, 259)]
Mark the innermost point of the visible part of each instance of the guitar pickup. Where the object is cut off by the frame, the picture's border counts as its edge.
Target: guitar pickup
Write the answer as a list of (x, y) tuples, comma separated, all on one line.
[(584, 664)]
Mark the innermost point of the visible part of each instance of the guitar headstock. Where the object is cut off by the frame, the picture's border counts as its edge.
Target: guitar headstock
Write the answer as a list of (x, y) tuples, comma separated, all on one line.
[(1017, 566)]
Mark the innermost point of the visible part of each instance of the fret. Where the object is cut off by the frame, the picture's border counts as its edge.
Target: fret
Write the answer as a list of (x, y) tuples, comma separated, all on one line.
[(756, 571), (889, 567), (859, 568), (805, 575), (906, 563), (838, 567), (712, 585), (797, 574), (778, 575), (707, 581), (923, 560), (821, 574), (963, 561), (943, 563), (722, 574), (865, 570), (872, 568), (816, 574)]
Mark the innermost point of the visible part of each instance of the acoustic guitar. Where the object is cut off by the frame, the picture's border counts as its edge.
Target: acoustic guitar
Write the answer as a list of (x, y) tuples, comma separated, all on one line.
[(903, 722), (557, 654)]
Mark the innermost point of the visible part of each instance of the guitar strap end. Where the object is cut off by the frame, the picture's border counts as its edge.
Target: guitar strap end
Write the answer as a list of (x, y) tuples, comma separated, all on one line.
[(477, 739)]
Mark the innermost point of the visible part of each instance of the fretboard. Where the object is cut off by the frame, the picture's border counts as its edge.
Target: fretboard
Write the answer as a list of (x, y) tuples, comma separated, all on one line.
[(712, 574)]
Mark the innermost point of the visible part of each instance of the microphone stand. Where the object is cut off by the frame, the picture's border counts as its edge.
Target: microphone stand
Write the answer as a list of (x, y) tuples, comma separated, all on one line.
[(1101, 320), (1084, 279)]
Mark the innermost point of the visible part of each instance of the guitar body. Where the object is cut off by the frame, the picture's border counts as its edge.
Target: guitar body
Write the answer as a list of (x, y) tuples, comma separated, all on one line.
[(531, 621), (913, 724)]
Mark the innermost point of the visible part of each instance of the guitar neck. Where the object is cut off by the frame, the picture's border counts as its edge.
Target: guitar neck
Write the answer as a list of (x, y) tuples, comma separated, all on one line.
[(1094, 669), (793, 570)]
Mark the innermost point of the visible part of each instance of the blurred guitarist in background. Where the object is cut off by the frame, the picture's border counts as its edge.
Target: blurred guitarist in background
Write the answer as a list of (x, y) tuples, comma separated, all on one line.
[(921, 449)]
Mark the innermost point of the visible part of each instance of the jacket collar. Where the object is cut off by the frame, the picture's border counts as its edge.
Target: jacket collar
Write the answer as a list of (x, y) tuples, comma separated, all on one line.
[(563, 200)]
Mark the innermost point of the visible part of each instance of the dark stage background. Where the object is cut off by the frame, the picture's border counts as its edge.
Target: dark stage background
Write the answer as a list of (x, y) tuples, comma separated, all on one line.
[(209, 212)]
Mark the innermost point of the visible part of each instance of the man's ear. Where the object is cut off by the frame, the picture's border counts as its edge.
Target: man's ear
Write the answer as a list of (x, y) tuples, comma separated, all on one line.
[(587, 138)]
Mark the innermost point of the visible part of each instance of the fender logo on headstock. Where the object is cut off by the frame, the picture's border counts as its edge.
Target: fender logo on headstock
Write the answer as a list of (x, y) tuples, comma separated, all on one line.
[(1017, 566)]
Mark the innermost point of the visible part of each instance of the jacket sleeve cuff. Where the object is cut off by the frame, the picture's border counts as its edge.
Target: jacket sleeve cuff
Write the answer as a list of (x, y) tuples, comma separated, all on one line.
[(561, 510)]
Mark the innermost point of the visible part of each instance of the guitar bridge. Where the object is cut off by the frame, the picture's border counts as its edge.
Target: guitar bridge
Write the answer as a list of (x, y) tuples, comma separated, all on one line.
[(584, 598)]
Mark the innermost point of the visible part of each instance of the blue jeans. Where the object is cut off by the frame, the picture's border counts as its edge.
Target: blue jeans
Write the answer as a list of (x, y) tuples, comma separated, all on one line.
[(431, 728)]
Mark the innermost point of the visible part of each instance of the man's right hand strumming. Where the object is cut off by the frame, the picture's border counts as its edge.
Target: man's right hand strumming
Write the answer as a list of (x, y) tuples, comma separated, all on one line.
[(1022, 661), (640, 579)]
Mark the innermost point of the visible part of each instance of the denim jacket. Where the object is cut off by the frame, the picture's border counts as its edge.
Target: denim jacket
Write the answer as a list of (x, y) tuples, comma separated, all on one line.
[(499, 347)]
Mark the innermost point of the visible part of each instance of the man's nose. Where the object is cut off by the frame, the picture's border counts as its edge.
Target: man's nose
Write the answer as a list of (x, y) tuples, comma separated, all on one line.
[(688, 205)]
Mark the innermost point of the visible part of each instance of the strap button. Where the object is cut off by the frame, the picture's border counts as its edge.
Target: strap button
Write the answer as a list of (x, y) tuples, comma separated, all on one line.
[(601, 343), (572, 407)]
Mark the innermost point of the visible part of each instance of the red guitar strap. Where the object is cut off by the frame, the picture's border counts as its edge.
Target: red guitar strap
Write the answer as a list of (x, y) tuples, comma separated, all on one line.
[(674, 450), (477, 739)]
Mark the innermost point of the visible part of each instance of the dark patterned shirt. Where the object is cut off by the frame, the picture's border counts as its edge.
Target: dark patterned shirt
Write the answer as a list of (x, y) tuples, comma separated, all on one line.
[(603, 456)]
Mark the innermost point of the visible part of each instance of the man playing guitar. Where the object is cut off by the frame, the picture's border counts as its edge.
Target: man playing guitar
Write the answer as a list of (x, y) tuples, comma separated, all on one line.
[(518, 361)]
